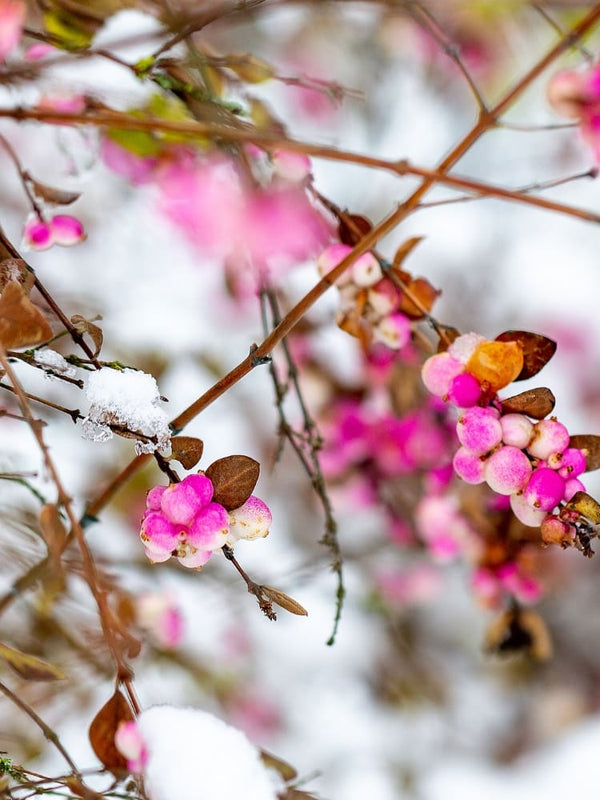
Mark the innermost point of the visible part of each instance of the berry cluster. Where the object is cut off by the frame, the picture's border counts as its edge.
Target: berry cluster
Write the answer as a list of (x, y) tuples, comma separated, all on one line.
[(182, 520), (531, 462), (366, 294)]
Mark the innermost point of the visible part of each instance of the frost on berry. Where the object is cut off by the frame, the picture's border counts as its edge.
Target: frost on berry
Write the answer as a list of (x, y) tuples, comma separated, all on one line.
[(549, 436), (496, 363), (545, 489), (517, 430), (439, 371), (479, 430), (468, 466), (507, 470), (463, 347)]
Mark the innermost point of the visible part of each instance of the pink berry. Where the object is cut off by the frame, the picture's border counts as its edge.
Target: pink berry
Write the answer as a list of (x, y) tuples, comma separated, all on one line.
[(465, 390), (507, 470), (366, 270), (66, 230), (555, 531), (479, 429), (393, 331), (572, 463), (330, 258), (468, 466), (516, 430), (383, 297), (37, 234), (439, 371), (572, 486), (525, 512), (549, 436), (545, 489)]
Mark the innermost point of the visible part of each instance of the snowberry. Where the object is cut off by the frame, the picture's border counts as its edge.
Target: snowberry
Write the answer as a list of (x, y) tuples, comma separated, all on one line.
[(468, 466), (464, 346), (516, 430), (366, 270), (507, 470), (249, 521), (572, 463), (545, 489), (66, 230), (464, 391), (393, 331), (479, 429), (549, 436), (572, 486), (439, 371), (383, 297), (496, 363), (525, 512), (330, 258), (555, 531)]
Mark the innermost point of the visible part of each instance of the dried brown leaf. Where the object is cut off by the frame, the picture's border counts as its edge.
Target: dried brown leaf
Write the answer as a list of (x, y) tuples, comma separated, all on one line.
[(352, 228), (585, 505), (21, 323), (450, 334), (83, 325), (51, 195), (590, 444), (53, 530), (535, 403), (13, 269), (287, 772), (102, 733), (234, 479), (405, 250), (187, 450), (424, 295), (519, 630), (284, 601), (30, 668), (537, 350)]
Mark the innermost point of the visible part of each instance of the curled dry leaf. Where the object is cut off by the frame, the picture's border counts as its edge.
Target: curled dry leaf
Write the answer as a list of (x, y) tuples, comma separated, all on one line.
[(30, 668), (352, 228), (187, 450), (591, 445), (50, 194), (102, 733), (418, 297), (83, 325), (585, 505), (535, 403), (234, 479), (519, 630), (53, 530), (284, 601), (537, 351), (450, 334), (405, 249), (21, 323), (287, 772)]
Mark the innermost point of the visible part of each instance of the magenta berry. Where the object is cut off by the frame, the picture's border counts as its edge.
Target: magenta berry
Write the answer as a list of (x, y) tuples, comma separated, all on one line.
[(517, 430), (507, 470), (572, 463), (549, 436), (479, 429), (545, 489), (439, 371), (465, 390), (468, 466), (572, 486)]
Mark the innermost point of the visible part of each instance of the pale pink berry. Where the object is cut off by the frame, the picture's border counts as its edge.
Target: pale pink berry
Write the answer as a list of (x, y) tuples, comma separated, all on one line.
[(507, 470), (66, 230), (572, 486), (154, 497), (250, 521), (330, 258), (182, 501), (158, 614), (383, 298), (393, 331), (555, 531), (549, 436), (293, 167), (523, 587), (130, 743), (479, 430), (439, 371), (366, 270), (37, 234), (517, 430), (572, 463), (468, 466), (545, 489), (525, 512), (465, 390), (463, 347)]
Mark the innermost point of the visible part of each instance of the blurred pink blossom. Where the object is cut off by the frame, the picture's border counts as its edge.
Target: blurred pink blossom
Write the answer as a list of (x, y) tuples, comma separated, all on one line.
[(12, 19)]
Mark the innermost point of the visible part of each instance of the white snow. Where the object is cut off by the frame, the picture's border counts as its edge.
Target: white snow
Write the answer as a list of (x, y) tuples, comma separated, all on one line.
[(127, 398), (193, 755)]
